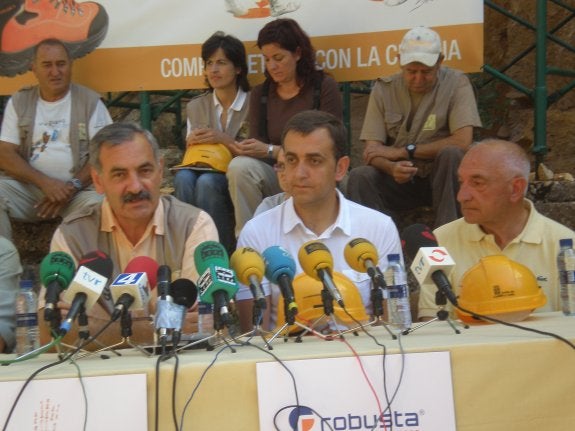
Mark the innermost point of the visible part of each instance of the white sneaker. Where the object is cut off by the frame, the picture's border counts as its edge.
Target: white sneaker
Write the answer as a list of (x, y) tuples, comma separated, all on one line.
[(236, 7), (281, 7)]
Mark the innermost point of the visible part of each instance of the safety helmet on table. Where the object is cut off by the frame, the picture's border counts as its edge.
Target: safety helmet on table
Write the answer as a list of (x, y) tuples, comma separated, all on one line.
[(307, 292), (214, 156), (501, 288)]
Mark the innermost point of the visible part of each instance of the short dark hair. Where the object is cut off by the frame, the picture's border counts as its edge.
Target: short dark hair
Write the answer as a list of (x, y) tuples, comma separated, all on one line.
[(51, 42), (234, 50), (290, 36), (306, 122), (116, 134)]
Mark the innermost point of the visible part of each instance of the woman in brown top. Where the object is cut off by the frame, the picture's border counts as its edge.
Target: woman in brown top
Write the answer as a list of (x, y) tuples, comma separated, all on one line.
[(293, 84)]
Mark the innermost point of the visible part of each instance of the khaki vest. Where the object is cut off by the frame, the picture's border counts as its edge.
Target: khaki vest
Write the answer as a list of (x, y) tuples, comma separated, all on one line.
[(84, 103), (83, 235)]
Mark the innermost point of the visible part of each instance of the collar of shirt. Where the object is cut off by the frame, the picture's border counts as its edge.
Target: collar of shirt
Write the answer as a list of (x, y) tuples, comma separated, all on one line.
[(532, 231), (292, 221), (109, 222), (237, 105)]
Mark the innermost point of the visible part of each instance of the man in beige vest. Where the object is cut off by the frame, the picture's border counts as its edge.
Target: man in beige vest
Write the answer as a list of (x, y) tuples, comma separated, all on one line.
[(44, 142), (417, 127), (133, 220)]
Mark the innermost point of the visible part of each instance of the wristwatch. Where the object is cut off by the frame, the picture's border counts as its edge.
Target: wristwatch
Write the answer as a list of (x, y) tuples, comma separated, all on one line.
[(271, 151), (411, 150), (76, 183)]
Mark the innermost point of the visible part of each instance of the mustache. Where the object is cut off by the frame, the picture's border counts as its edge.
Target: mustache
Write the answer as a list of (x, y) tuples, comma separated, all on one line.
[(141, 195)]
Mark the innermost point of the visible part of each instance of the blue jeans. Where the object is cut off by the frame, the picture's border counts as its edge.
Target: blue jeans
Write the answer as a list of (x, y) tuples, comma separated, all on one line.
[(209, 191)]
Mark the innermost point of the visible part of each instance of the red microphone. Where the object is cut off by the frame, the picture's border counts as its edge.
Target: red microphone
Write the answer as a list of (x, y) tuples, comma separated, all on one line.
[(144, 264)]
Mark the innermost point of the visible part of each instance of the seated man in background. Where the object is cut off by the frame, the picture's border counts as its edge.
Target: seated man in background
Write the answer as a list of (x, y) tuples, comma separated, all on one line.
[(10, 271), (44, 142), (314, 144), (499, 220), (417, 127), (133, 220)]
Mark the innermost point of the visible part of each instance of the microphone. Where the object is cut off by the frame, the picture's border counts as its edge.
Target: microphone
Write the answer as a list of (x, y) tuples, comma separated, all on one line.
[(317, 262), (431, 263), (249, 267), (144, 264), (361, 255), (56, 272), (217, 283), (94, 270), (131, 288), (164, 279), (416, 236), (184, 293), (280, 270)]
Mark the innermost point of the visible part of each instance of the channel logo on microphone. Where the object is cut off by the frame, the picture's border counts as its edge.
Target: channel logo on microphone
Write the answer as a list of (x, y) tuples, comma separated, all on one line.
[(302, 418)]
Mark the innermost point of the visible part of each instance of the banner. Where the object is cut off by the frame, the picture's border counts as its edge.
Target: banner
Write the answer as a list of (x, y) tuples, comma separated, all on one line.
[(152, 45), (348, 393)]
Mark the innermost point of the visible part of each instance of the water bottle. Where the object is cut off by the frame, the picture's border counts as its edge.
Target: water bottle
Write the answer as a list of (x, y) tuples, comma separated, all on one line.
[(398, 308), (566, 267), (205, 319), (27, 332)]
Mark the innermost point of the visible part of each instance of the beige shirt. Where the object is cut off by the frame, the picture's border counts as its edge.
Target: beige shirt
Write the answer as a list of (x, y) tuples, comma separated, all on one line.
[(204, 230), (536, 247)]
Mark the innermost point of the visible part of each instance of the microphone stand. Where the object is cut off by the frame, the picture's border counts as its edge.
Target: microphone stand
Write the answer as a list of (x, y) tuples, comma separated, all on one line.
[(327, 302), (257, 314), (291, 321), (441, 315), (376, 295)]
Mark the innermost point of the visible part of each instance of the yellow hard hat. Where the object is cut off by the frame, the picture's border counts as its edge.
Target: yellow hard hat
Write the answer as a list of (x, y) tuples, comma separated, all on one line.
[(501, 288), (307, 292), (207, 156)]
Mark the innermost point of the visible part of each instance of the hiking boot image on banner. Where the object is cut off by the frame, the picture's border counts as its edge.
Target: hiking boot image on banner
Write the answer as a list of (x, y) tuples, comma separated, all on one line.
[(25, 23)]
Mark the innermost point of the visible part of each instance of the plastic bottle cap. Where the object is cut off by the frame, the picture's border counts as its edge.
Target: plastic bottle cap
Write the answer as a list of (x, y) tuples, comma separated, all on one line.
[(26, 284), (566, 243), (393, 257)]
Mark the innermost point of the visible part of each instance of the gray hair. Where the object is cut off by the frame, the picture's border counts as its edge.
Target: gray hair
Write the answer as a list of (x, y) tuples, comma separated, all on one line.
[(116, 134)]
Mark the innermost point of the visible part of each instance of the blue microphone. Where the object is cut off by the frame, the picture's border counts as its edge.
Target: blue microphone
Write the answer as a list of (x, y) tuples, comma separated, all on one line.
[(280, 270)]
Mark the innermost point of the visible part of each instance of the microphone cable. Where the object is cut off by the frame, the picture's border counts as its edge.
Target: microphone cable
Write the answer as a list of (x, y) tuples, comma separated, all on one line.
[(514, 325), (202, 376), (388, 400)]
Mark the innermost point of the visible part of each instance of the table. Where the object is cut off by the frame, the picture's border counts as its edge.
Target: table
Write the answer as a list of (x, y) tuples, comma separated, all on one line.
[(504, 379)]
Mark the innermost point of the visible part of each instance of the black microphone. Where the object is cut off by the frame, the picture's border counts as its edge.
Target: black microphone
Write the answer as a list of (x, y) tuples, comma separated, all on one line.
[(184, 293)]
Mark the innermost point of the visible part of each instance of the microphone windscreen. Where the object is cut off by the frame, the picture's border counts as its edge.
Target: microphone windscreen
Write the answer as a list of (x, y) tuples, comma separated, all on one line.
[(99, 262), (416, 236), (247, 262), (313, 256), (184, 292), (209, 254), (59, 267), (357, 252), (144, 264), (278, 261)]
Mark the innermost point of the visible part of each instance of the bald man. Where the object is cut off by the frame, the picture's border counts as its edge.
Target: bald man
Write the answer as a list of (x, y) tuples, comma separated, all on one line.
[(498, 219)]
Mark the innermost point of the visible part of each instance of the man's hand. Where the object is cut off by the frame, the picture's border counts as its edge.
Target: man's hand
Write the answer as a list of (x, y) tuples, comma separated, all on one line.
[(374, 150), (252, 148), (403, 171), (57, 195)]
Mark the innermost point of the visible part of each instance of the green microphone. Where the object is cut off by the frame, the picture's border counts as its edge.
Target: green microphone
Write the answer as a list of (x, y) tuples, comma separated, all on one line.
[(56, 272), (217, 282)]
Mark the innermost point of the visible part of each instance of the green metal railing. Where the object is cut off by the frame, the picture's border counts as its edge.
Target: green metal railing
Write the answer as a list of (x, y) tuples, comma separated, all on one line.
[(539, 94)]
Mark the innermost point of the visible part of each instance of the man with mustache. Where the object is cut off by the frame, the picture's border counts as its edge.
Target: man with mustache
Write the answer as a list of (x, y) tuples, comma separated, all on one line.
[(44, 142), (133, 219)]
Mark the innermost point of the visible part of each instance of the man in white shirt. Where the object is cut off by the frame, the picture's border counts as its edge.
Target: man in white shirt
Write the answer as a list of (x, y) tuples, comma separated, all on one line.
[(44, 142), (314, 147)]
